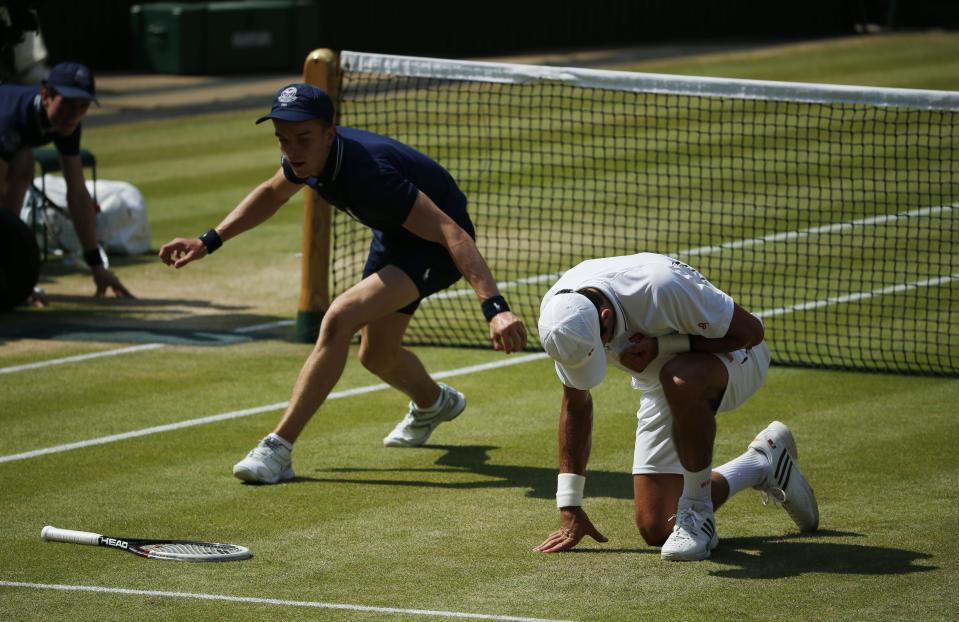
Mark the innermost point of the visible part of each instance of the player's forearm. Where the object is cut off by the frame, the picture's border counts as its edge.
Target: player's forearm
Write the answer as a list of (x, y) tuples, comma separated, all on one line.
[(575, 433), (84, 216), (471, 264), (256, 208), (745, 331)]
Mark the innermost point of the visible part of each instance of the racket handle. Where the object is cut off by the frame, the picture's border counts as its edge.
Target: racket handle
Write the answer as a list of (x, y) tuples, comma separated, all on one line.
[(69, 535)]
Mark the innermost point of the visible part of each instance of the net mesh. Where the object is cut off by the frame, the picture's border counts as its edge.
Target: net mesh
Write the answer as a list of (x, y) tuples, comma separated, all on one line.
[(834, 221)]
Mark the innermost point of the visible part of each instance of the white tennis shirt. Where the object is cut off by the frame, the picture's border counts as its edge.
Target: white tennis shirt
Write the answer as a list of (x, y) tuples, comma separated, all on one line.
[(654, 295)]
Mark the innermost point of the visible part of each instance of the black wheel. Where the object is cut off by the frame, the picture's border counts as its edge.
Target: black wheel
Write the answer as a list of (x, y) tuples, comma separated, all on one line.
[(19, 261)]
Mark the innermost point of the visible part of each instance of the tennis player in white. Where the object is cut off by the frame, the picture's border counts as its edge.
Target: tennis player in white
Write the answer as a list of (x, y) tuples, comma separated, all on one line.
[(693, 352)]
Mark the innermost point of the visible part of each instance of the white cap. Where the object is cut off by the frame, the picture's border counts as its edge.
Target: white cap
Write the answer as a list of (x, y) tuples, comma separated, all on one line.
[(570, 332)]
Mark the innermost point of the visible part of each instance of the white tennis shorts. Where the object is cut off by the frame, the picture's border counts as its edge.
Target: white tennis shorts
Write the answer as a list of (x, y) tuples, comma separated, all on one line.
[(654, 451)]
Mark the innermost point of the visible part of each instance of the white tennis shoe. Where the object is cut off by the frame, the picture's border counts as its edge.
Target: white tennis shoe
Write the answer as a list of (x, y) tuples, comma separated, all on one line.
[(694, 534), (267, 463), (785, 483), (416, 427)]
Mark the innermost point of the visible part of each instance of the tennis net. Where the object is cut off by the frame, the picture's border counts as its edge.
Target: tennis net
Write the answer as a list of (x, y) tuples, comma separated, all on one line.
[(829, 211)]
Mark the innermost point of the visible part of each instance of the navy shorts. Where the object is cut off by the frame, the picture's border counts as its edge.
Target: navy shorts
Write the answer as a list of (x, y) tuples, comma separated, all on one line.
[(428, 264)]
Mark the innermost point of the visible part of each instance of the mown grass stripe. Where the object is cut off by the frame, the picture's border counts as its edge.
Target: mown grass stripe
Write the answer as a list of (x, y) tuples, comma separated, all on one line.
[(236, 414)]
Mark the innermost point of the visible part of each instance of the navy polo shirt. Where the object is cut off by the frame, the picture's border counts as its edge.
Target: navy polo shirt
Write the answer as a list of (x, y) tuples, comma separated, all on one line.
[(24, 123), (376, 179)]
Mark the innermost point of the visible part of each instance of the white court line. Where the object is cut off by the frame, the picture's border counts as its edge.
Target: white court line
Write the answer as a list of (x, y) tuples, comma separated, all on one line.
[(782, 236), (891, 289), (833, 228), (541, 278), (455, 372), (236, 414), (804, 306), (128, 350), (272, 601), (81, 357), (266, 326)]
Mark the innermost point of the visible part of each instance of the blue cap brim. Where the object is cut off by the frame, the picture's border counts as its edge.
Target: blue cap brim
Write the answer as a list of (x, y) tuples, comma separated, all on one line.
[(72, 92), (288, 115)]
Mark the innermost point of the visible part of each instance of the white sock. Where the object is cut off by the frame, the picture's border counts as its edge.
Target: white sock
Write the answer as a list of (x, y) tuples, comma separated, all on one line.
[(697, 487), (436, 405), (746, 471), (280, 440)]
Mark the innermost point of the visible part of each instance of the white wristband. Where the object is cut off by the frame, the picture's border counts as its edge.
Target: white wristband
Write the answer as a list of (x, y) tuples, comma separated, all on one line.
[(673, 344), (569, 490)]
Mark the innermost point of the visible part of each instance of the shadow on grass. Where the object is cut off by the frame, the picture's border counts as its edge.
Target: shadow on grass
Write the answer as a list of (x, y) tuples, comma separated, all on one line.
[(791, 555), (179, 321), (794, 554), (754, 557), (539, 482)]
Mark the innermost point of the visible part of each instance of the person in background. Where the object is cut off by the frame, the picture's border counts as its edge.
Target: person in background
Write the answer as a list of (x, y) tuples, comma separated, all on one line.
[(32, 116)]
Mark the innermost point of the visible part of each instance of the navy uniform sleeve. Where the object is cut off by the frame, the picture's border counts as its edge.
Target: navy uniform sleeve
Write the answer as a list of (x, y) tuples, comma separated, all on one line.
[(9, 143), (288, 172), (69, 145), (386, 197), (10, 139)]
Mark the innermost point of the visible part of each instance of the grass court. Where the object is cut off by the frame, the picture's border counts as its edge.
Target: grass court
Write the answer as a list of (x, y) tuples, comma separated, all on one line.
[(443, 531)]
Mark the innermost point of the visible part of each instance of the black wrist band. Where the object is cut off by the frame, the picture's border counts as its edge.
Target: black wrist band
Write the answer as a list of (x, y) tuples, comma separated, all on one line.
[(93, 257), (211, 240), (493, 306)]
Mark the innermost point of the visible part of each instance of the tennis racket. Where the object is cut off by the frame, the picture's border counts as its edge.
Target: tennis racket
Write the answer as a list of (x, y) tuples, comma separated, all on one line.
[(176, 550)]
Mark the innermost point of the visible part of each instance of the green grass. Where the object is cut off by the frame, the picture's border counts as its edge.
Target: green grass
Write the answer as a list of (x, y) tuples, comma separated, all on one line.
[(365, 525), (449, 526), (928, 60)]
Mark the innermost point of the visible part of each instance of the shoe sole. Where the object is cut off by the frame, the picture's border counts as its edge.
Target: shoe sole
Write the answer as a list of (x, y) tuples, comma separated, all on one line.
[(251, 477), (400, 442), (781, 432), (811, 495)]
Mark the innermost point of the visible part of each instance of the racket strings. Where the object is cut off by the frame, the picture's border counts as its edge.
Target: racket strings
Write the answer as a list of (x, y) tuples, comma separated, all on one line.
[(193, 548)]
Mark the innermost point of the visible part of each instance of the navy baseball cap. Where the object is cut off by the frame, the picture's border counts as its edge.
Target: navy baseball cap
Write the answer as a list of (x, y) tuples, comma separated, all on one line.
[(73, 81), (300, 102)]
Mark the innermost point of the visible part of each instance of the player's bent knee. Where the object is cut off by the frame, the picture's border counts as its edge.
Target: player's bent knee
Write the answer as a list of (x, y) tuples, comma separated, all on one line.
[(686, 377), (337, 324), (654, 533)]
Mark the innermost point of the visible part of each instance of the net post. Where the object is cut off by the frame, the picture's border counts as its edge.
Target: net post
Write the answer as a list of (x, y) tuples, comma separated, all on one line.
[(320, 69)]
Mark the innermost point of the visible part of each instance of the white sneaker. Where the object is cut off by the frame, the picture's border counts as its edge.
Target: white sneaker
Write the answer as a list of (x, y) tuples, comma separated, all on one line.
[(694, 534), (417, 425), (785, 483), (267, 463)]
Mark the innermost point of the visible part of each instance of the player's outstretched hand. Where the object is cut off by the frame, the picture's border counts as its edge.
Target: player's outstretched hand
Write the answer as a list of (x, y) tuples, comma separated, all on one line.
[(507, 332), (105, 280), (574, 525), (182, 251)]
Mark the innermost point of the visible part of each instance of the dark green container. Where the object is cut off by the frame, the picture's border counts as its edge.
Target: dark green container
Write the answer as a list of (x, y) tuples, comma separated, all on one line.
[(251, 36), (167, 36)]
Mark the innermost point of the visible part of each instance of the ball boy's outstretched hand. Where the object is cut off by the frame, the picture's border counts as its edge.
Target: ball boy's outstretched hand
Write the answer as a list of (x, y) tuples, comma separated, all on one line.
[(182, 251)]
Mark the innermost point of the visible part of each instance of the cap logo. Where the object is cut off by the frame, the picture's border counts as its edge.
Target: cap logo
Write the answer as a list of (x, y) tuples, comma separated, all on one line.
[(81, 76), (287, 96)]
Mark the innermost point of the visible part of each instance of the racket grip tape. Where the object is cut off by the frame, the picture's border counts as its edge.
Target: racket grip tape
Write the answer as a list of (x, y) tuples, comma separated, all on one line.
[(69, 535)]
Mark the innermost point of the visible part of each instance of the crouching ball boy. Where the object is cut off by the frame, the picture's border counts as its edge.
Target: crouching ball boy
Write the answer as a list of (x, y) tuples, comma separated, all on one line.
[(694, 353), (423, 242)]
